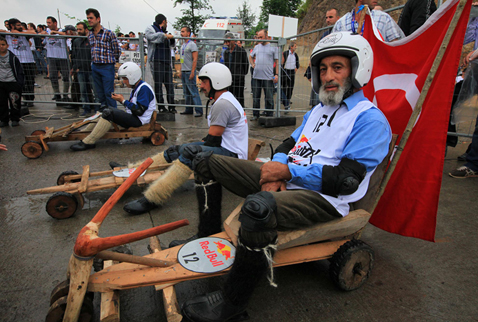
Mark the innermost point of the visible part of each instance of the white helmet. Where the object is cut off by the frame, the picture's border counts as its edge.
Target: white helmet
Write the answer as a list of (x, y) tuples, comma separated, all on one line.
[(219, 75), (131, 71), (344, 44)]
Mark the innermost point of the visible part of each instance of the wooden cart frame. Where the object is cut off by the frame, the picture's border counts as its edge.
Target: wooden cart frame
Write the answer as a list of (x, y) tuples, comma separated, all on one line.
[(68, 197), (338, 240), (38, 141)]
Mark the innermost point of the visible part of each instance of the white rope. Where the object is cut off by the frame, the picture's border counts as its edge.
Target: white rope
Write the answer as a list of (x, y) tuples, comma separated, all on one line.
[(268, 253), (204, 185)]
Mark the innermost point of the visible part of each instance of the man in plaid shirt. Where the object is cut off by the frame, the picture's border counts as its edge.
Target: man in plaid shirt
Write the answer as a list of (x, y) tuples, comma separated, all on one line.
[(387, 27), (105, 53)]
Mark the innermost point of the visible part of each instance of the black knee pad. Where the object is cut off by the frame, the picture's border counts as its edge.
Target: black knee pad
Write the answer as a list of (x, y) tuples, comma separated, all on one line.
[(190, 151), (259, 212), (107, 114), (201, 162), (171, 153)]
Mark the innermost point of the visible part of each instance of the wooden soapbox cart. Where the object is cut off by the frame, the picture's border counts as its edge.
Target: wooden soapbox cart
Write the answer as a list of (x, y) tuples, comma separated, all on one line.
[(338, 241), (38, 141), (67, 195)]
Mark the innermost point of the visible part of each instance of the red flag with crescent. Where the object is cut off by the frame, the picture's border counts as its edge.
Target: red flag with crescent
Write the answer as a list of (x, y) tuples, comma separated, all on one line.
[(409, 204)]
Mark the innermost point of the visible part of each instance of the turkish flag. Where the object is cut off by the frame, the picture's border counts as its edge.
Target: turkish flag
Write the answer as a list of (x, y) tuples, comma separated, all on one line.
[(410, 202)]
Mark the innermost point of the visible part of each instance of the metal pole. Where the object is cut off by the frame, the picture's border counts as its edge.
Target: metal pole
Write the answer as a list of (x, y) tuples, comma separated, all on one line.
[(142, 54), (280, 49)]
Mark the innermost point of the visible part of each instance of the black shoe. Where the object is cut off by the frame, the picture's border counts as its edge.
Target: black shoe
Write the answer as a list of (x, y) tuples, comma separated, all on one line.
[(15, 123), (114, 165), (162, 109), (462, 157), (186, 113), (175, 243), (3, 124), (56, 98), (198, 115), (172, 110), (213, 307), (140, 206), (82, 146), (30, 104)]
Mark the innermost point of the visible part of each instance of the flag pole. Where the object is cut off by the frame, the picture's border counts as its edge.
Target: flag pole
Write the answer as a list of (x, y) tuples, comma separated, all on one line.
[(421, 100)]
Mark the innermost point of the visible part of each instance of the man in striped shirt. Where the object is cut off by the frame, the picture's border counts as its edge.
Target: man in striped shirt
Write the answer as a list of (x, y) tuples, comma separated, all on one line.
[(105, 53), (387, 27)]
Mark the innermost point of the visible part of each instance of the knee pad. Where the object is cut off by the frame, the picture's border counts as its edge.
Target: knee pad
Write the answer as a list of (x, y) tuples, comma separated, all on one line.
[(200, 164), (343, 179), (259, 212), (190, 151), (107, 113), (171, 153)]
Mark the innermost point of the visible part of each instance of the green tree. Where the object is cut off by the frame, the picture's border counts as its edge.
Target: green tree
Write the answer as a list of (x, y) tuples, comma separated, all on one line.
[(117, 29), (191, 16), (248, 17), (286, 8)]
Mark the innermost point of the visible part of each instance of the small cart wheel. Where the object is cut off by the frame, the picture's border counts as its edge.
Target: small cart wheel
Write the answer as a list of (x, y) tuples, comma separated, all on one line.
[(38, 132), (62, 289), (32, 149), (61, 177), (61, 205), (351, 265), (57, 310), (157, 138)]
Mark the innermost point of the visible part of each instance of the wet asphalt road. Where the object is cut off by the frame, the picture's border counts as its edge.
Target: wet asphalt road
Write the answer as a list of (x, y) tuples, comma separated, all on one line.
[(412, 280)]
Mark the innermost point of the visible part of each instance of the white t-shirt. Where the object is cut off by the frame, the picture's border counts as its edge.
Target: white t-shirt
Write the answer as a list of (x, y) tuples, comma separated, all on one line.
[(20, 46), (55, 46)]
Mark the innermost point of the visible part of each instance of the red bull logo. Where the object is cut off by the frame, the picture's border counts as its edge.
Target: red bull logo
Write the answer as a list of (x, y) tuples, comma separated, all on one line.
[(211, 254), (224, 250), (303, 139)]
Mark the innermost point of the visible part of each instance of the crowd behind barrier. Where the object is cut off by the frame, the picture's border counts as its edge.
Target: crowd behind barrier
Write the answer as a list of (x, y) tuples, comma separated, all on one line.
[(291, 90)]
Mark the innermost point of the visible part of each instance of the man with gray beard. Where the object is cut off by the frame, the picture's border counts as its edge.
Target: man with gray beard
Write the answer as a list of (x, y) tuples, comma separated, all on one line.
[(315, 174)]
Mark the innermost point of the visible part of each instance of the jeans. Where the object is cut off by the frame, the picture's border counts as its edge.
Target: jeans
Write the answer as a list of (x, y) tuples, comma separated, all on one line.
[(104, 83), (472, 155), (186, 161), (191, 93), (85, 79), (40, 61), (162, 74), (268, 86)]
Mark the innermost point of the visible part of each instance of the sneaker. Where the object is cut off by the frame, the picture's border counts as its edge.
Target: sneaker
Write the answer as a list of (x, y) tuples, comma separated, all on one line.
[(213, 307), (36, 85), (254, 118), (463, 172), (85, 114), (3, 124), (15, 123), (30, 104), (140, 206), (82, 146), (198, 115), (114, 165), (462, 157)]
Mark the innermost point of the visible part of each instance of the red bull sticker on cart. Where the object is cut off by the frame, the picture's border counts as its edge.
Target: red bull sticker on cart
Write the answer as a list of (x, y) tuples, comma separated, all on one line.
[(207, 255)]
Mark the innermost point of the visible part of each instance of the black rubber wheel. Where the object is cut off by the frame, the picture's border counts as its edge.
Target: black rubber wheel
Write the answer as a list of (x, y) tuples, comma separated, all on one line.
[(62, 289), (98, 264), (61, 177), (58, 308), (351, 265), (32, 149), (61, 205)]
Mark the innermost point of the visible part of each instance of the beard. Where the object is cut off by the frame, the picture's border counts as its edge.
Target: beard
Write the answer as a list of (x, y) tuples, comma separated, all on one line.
[(334, 98)]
